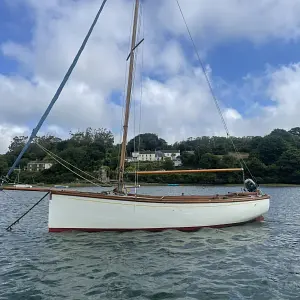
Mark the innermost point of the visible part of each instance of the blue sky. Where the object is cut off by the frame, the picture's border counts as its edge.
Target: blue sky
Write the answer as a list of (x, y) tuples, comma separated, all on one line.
[(249, 47), (16, 25), (234, 59)]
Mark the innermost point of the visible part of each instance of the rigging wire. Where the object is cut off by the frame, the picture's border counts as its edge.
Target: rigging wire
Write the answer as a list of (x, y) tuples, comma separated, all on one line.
[(64, 165), (59, 158), (213, 94)]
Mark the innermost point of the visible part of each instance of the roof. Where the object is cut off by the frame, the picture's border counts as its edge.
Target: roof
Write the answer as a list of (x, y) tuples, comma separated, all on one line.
[(39, 162), (157, 151), (147, 152), (170, 151)]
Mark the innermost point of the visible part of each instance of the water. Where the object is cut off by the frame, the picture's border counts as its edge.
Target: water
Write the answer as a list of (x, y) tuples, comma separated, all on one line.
[(255, 261)]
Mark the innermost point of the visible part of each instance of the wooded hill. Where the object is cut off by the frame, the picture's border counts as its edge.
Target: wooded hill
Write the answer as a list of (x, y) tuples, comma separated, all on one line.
[(274, 158)]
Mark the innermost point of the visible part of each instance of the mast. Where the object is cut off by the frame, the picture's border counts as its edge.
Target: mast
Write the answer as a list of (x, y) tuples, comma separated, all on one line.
[(128, 98)]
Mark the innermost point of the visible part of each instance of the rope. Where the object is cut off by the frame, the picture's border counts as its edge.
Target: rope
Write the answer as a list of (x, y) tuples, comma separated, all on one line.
[(53, 154), (15, 222), (213, 94)]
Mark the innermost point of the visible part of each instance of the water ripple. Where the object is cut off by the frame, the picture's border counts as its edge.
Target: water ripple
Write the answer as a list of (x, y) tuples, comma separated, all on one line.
[(255, 261)]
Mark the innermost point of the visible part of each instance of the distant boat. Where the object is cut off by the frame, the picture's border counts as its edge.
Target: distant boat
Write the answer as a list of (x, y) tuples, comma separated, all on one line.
[(173, 184), (23, 185), (61, 186), (132, 186)]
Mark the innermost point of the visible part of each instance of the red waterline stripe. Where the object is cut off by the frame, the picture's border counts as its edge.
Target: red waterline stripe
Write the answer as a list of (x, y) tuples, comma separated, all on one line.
[(188, 229)]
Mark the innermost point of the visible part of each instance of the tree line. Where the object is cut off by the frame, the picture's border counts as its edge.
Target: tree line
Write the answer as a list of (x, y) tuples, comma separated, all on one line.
[(274, 158)]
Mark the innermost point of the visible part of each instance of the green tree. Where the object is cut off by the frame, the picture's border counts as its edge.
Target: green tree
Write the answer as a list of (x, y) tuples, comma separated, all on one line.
[(270, 148), (295, 131), (188, 159), (3, 165), (209, 161), (228, 161), (17, 144), (272, 158), (168, 164), (289, 164), (147, 141)]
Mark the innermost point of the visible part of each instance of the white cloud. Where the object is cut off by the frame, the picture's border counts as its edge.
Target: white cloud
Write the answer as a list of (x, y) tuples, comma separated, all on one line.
[(284, 90), (7, 133), (232, 114), (256, 20), (176, 106), (280, 86)]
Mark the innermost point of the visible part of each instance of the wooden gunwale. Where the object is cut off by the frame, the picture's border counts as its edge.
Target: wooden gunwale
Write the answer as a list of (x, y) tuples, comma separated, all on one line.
[(225, 198)]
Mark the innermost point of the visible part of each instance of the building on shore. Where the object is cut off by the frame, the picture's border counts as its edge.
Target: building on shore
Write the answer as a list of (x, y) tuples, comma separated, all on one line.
[(36, 166), (158, 155)]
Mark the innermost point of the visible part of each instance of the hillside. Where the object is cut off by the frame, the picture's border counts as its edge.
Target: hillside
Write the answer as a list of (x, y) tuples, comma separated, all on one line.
[(274, 158)]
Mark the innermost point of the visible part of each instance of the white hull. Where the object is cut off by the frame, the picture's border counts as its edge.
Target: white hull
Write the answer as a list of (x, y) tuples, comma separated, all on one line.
[(71, 212)]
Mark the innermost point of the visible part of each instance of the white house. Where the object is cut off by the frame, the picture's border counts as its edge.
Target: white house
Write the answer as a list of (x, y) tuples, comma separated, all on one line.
[(144, 156), (155, 156), (173, 154), (38, 166)]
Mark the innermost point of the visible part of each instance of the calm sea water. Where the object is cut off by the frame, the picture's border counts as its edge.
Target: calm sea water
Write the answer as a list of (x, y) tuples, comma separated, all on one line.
[(255, 261)]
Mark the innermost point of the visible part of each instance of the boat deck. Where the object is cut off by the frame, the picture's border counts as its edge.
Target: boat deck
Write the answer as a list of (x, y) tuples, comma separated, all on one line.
[(217, 198)]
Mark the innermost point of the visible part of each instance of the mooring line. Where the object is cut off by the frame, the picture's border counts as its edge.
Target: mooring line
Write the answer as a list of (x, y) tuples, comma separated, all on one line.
[(9, 228)]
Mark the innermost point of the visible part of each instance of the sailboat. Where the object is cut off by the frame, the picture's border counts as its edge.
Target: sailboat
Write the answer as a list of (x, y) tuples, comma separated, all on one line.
[(118, 210)]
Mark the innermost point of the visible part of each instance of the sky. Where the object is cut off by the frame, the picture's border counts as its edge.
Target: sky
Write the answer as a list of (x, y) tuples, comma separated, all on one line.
[(250, 50)]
